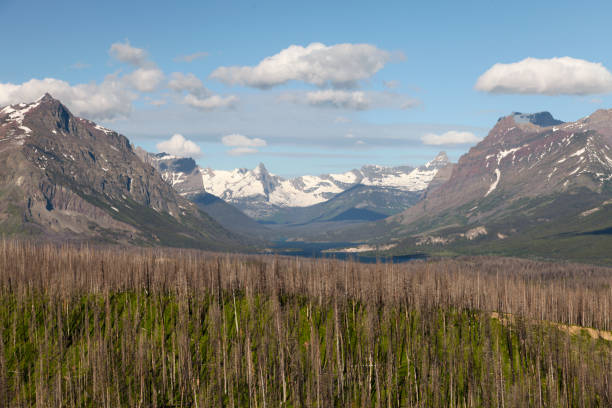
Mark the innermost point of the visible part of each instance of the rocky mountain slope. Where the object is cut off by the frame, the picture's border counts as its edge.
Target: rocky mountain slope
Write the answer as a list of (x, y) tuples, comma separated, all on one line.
[(262, 195), (533, 185), (230, 217), (66, 177)]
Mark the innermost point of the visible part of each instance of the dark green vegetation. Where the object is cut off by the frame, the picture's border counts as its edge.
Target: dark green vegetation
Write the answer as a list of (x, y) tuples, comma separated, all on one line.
[(104, 327), (553, 227)]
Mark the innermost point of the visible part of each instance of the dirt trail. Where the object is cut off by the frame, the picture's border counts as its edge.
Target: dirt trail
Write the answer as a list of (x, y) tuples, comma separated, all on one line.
[(506, 318)]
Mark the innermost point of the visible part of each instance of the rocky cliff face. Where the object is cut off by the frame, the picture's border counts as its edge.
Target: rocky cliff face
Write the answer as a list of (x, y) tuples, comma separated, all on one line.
[(68, 177)]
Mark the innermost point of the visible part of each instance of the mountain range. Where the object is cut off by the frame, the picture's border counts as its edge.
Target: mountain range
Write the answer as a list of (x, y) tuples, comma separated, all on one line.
[(534, 186), (303, 207), (263, 195)]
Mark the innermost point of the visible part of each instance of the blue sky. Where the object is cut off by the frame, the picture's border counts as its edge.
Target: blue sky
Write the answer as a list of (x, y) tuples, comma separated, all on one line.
[(405, 73)]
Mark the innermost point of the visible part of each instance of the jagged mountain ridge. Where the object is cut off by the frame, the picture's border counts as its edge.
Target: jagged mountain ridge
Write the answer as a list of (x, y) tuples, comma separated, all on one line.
[(262, 194), (64, 176)]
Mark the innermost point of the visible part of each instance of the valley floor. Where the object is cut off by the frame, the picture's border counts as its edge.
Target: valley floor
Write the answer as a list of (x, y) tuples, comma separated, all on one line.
[(82, 326)]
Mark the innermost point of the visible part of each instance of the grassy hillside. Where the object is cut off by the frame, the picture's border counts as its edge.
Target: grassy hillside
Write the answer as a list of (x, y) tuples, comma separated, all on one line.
[(584, 237), (102, 327)]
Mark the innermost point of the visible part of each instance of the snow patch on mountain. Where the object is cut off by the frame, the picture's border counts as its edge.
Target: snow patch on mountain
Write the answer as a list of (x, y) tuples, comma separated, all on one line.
[(103, 129), (16, 113), (11, 121), (579, 152), (504, 153), (494, 184)]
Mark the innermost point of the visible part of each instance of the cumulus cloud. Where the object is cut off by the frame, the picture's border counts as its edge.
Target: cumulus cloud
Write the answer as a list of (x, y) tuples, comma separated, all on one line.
[(339, 99), (145, 79), (106, 100), (238, 140), (198, 96), (242, 144), (177, 145), (554, 76), (191, 57), (449, 138), (340, 65), (124, 52), (180, 82), (109, 99)]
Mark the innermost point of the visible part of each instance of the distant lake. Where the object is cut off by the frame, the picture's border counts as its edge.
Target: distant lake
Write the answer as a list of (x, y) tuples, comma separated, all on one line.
[(316, 250)]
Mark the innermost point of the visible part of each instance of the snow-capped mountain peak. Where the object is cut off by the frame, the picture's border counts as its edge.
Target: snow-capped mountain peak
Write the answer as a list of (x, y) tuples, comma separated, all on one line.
[(257, 191), (441, 160)]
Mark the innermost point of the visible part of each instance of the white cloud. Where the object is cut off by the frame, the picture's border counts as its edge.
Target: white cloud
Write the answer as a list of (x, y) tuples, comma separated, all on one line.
[(339, 99), (210, 102), (340, 65), (449, 138), (191, 57), (349, 136), (145, 79), (177, 145), (124, 52), (351, 100), (180, 82), (238, 140), (198, 96), (242, 144), (113, 97), (555, 76), (341, 119), (107, 100), (239, 151)]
